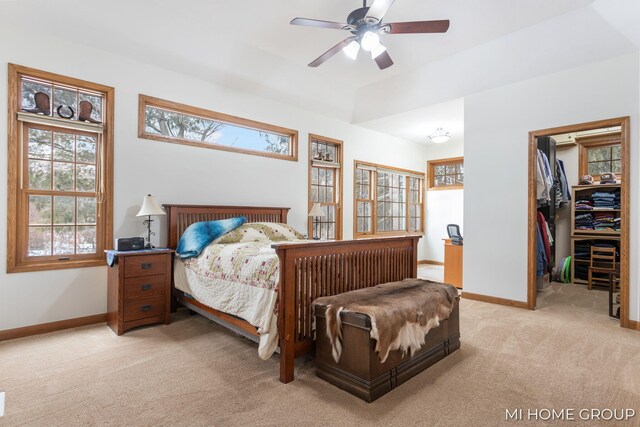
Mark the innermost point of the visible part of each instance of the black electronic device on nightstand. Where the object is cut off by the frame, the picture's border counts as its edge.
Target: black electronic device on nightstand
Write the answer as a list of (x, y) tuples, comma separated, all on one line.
[(129, 244)]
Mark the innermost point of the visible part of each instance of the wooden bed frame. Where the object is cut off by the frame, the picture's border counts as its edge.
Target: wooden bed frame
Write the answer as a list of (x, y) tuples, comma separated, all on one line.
[(307, 271)]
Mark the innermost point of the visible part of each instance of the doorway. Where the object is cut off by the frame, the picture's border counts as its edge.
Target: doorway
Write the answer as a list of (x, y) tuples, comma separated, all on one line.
[(623, 189)]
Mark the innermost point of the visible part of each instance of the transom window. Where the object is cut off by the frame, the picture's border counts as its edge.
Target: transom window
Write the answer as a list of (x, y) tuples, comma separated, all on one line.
[(61, 178), (446, 174), (387, 200), (325, 159), (172, 122)]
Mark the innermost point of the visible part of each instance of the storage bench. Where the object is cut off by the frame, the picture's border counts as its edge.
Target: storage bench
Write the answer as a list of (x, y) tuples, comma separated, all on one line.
[(359, 370)]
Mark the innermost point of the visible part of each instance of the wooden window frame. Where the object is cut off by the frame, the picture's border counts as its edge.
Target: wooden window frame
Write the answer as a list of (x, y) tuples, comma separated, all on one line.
[(145, 101), (374, 202), (595, 141), (431, 175), (17, 261), (337, 184)]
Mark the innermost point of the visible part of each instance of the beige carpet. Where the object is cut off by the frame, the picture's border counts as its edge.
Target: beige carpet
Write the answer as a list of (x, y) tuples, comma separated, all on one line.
[(193, 372)]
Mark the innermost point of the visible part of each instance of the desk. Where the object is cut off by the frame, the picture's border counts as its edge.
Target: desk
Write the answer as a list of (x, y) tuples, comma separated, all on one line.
[(452, 264)]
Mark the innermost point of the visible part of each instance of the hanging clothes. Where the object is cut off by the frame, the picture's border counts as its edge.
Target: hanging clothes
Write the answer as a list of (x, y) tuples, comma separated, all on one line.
[(544, 179), (546, 235), (563, 193), (541, 264)]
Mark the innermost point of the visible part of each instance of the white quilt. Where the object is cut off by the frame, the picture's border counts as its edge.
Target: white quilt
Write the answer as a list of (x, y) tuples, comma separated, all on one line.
[(239, 279)]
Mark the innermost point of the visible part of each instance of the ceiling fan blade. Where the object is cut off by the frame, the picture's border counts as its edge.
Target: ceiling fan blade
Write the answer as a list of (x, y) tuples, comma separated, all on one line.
[(418, 27), (319, 23), (379, 8), (328, 54), (384, 60)]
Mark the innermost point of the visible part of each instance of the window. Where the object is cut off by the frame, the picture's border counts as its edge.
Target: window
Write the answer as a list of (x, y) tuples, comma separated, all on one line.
[(387, 200), (325, 186), (172, 122), (446, 174), (600, 154), (60, 138)]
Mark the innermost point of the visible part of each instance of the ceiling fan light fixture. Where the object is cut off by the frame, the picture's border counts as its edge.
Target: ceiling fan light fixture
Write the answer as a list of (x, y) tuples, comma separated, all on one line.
[(352, 49), (376, 51), (440, 136), (370, 41)]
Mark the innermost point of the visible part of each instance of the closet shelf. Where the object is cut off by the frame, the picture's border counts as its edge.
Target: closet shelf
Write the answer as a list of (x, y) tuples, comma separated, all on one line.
[(598, 210), (597, 232)]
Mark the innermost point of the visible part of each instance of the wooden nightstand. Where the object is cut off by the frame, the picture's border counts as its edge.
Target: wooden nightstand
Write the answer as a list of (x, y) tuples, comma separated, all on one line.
[(139, 289)]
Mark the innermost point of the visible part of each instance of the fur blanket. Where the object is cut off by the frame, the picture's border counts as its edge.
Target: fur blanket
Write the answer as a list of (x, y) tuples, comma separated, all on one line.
[(401, 313)]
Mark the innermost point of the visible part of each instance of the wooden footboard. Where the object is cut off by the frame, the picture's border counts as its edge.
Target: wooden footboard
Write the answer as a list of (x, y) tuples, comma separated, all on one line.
[(316, 269)]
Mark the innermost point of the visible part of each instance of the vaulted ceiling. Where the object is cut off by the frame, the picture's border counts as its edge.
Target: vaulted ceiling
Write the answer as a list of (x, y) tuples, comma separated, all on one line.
[(249, 45)]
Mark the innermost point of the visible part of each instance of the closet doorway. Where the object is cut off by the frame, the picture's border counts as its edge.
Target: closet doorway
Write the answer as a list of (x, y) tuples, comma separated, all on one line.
[(598, 220)]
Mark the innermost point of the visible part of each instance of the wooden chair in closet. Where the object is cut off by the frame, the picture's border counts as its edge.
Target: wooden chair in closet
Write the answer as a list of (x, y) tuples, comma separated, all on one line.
[(603, 260)]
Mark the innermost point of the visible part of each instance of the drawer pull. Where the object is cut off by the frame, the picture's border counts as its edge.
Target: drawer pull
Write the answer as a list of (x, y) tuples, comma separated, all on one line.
[(146, 286), (145, 307), (146, 265)]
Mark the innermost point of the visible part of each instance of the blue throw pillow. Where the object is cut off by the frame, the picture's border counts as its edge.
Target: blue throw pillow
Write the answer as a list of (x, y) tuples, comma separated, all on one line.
[(200, 234)]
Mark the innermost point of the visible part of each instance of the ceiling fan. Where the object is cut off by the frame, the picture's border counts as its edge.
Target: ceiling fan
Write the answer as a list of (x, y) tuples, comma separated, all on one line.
[(366, 25)]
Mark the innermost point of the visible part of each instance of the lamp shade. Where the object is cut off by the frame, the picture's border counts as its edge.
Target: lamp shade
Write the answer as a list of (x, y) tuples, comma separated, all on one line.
[(150, 207), (316, 210)]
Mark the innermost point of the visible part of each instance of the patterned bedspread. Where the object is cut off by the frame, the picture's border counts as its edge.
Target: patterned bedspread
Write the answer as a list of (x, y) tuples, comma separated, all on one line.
[(239, 279)]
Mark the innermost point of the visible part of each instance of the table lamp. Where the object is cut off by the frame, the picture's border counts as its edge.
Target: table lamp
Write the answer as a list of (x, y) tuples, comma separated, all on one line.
[(316, 213), (150, 207)]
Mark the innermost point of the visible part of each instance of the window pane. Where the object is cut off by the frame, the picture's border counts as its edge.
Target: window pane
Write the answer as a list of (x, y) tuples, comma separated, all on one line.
[(39, 241), (29, 90), (314, 175), (86, 176), (439, 170), (597, 168), (63, 240), (66, 97), (599, 154), (450, 169), (39, 144), (183, 126), (86, 149), (64, 208), (86, 240), (616, 166), (63, 146), (96, 104), (616, 152), (460, 179), (330, 194), (39, 175), (330, 173), (63, 176), (86, 210), (39, 210)]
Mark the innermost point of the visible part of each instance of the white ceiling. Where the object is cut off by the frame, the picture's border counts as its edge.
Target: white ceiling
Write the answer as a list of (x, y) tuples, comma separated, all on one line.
[(249, 44), (416, 125)]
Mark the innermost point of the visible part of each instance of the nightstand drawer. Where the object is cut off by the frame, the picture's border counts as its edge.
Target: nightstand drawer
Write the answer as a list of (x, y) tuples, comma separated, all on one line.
[(144, 307), (145, 265), (145, 286)]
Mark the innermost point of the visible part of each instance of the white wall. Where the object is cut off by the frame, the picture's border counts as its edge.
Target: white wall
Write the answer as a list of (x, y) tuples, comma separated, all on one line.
[(173, 173), (442, 206), (497, 123)]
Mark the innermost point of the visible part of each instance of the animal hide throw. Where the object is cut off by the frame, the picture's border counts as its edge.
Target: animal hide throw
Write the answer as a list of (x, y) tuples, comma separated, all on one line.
[(401, 313)]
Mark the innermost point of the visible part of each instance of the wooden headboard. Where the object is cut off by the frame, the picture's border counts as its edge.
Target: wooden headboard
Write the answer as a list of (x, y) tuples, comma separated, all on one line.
[(179, 217)]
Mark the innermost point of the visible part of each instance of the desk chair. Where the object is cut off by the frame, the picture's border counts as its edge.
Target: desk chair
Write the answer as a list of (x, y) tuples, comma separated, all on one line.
[(603, 260)]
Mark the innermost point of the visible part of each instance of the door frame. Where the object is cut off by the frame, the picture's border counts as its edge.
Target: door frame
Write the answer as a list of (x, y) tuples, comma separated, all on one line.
[(624, 123)]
